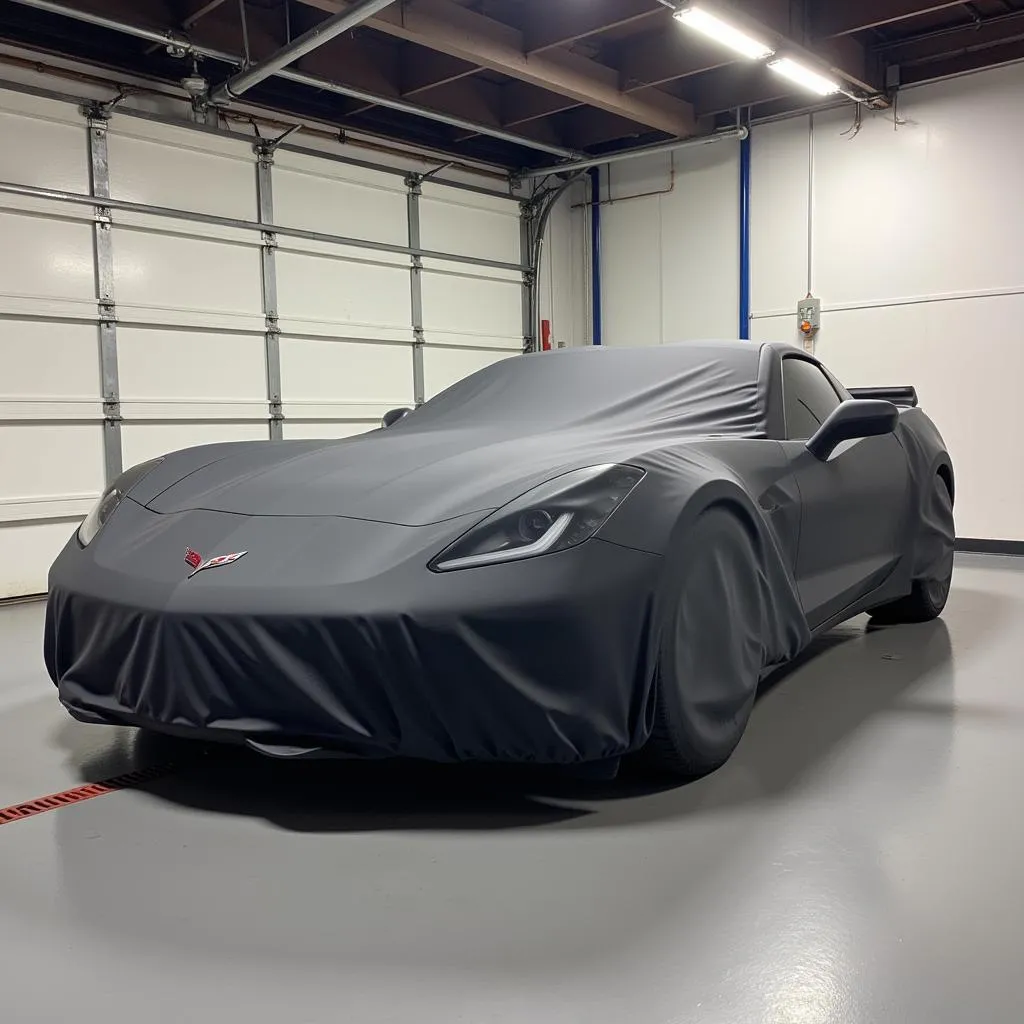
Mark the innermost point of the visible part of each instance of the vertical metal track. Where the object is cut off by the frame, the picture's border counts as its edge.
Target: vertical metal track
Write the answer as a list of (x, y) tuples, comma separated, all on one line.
[(103, 255), (527, 222), (268, 266), (414, 183)]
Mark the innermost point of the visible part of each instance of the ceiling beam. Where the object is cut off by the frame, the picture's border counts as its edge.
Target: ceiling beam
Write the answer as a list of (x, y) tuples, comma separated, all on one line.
[(963, 62), (742, 85), (666, 56), (198, 9), (588, 127), (559, 24), (522, 103), (379, 65), (481, 101), (333, 27), (445, 26), (422, 70), (842, 17), (965, 39), (367, 63)]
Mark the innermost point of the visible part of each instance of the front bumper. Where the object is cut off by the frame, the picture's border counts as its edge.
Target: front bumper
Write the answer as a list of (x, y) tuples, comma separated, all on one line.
[(544, 660)]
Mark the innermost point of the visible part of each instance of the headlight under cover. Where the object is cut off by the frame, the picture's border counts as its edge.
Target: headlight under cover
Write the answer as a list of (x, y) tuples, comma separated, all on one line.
[(111, 498), (558, 514)]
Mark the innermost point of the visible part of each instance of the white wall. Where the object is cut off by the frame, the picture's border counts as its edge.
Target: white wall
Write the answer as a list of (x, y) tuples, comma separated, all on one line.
[(669, 259), (190, 320), (917, 253), (916, 246)]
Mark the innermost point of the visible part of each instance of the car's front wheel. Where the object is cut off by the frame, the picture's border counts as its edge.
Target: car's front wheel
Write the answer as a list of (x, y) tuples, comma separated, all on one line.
[(710, 655), (930, 588)]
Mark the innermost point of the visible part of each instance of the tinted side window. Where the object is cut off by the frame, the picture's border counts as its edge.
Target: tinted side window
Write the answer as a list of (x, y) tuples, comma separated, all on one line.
[(808, 397)]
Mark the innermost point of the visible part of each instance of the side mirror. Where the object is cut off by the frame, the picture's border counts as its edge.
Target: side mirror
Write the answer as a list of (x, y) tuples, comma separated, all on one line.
[(392, 416), (855, 418)]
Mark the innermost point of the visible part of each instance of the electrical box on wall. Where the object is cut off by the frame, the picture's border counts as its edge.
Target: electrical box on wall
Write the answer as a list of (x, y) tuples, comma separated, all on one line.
[(808, 316)]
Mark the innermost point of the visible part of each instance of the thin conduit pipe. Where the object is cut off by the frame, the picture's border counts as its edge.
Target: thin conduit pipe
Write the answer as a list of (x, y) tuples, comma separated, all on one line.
[(939, 33), (810, 204), (633, 154), (612, 200)]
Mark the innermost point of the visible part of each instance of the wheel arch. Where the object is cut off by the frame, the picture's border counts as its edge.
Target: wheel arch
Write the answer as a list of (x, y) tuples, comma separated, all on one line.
[(718, 493)]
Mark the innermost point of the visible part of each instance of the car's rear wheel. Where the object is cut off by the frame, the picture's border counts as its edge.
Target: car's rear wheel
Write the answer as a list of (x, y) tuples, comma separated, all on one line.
[(710, 654), (930, 588)]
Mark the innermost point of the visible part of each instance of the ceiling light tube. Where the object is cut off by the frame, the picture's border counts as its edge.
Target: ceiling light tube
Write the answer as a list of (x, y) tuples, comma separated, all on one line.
[(804, 76), (701, 20)]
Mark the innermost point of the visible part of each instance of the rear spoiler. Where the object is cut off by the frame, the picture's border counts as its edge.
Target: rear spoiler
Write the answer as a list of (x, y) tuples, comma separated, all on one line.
[(905, 396)]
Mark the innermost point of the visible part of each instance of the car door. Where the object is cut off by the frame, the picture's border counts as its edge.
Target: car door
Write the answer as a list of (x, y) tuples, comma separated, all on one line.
[(852, 504)]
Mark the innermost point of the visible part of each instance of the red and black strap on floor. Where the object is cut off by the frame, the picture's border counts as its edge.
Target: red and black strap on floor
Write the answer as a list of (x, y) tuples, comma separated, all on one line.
[(55, 801)]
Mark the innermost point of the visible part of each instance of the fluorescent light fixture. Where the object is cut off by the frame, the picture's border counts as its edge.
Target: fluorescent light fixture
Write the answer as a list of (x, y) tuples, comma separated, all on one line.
[(713, 27), (804, 76)]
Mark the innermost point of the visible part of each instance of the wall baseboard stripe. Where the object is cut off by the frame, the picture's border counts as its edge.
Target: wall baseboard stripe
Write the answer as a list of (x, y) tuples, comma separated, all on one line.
[(990, 547)]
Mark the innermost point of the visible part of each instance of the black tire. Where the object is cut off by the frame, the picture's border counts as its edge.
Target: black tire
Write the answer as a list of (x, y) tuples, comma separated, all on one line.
[(710, 655), (930, 589)]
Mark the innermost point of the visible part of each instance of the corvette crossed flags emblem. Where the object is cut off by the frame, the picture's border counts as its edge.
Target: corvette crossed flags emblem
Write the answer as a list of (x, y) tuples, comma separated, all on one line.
[(195, 560)]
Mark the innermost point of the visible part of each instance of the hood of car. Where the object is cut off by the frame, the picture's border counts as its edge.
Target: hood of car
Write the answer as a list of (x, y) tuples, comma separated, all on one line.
[(411, 480)]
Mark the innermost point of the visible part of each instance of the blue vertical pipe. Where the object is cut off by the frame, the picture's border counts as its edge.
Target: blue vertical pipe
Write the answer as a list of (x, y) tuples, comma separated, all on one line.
[(745, 237), (595, 252)]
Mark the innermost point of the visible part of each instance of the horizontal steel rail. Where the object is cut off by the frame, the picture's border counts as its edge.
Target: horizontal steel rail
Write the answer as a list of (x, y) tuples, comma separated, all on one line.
[(56, 195)]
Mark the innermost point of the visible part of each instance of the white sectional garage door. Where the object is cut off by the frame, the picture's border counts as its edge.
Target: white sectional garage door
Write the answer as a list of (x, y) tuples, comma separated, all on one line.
[(355, 329)]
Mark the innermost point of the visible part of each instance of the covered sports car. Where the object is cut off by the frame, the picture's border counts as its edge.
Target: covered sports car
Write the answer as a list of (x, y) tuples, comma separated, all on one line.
[(564, 558)]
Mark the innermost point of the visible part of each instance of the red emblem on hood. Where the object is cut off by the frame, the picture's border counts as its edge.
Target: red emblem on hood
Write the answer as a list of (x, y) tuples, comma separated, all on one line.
[(195, 560)]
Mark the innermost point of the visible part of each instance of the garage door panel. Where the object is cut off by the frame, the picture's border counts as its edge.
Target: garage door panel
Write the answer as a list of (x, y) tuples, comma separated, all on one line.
[(328, 370), (196, 366), (362, 298), (143, 441), (165, 174), (50, 460), (27, 550), (44, 153), (174, 273), (463, 309), (315, 202), (443, 367), (470, 225), (46, 258), (45, 361)]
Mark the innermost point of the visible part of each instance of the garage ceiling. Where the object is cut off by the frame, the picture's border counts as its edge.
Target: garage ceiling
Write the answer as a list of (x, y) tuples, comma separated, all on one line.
[(590, 76)]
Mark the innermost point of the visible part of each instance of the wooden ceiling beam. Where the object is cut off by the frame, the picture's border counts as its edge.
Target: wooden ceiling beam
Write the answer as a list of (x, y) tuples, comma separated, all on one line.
[(522, 103), (445, 26), (554, 24)]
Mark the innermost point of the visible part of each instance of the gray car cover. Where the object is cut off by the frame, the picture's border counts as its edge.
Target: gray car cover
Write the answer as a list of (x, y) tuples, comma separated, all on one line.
[(333, 633)]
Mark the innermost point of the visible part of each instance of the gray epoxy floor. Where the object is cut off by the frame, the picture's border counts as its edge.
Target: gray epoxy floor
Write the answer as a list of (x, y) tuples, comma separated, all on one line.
[(858, 860)]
